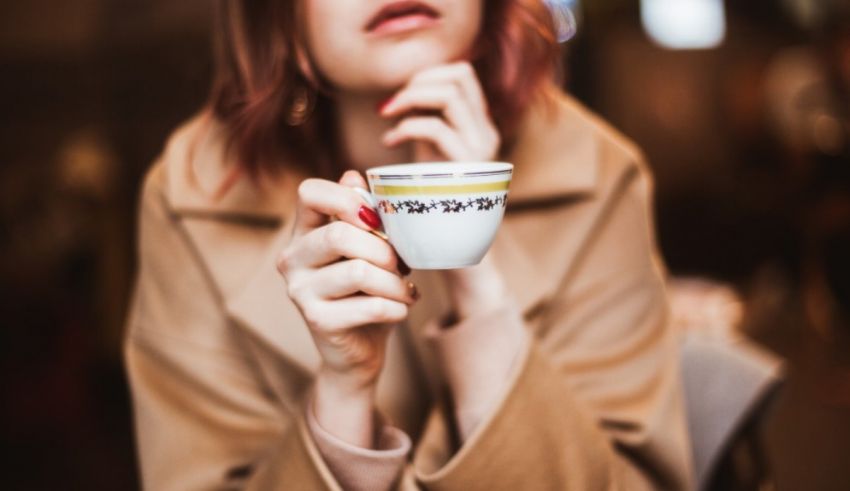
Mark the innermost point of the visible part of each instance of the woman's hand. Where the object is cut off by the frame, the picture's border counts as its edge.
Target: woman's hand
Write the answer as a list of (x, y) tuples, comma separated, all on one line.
[(347, 285), (477, 290), (444, 106)]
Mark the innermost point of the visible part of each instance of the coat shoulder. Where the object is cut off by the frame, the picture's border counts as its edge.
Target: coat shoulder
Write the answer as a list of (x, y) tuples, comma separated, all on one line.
[(201, 176), (617, 153), (564, 149), (174, 156)]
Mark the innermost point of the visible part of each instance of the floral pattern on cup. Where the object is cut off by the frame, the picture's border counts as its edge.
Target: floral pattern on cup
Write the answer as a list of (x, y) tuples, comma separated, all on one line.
[(419, 207)]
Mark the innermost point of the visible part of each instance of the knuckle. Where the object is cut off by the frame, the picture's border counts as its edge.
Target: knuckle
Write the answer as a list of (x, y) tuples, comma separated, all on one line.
[(284, 261), (402, 97), (383, 310), (465, 68), (378, 309), (358, 271), (493, 137), (393, 311), (334, 235), (354, 200), (407, 125), (312, 316), (419, 77), (444, 130), (389, 259), (433, 123), (403, 311), (305, 189), (294, 289), (350, 175), (454, 96)]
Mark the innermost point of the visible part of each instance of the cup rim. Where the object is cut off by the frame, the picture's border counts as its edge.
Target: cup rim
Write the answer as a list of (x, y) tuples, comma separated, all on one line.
[(441, 170)]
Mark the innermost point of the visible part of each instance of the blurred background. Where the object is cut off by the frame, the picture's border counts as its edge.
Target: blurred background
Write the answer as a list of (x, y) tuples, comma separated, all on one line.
[(742, 108)]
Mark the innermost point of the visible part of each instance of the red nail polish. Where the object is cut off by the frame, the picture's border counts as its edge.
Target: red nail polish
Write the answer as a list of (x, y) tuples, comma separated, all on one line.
[(382, 104), (369, 217)]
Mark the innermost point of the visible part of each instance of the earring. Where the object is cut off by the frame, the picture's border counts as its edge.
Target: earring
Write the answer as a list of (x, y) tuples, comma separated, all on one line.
[(303, 103)]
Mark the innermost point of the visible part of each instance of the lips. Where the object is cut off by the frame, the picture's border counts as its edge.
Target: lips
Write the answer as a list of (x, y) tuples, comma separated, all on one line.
[(400, 13)]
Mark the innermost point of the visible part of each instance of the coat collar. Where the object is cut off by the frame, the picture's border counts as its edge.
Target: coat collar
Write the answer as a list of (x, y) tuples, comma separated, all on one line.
[(555, 154), (203, 178)]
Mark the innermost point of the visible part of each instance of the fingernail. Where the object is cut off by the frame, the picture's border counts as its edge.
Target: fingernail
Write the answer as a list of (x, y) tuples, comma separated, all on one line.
[(369, 217), (403, 268), (414, 292), (379, 108)]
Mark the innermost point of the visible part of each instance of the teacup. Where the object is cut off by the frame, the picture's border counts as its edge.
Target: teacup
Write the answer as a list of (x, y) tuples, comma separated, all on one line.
[(440, 215)]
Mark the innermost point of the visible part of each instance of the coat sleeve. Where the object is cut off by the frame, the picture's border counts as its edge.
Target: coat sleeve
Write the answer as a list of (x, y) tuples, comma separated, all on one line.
[(203, 418), (594, 400)]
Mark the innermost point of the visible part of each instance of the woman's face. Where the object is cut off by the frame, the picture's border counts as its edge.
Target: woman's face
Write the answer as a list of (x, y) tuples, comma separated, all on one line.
[(377, 45)]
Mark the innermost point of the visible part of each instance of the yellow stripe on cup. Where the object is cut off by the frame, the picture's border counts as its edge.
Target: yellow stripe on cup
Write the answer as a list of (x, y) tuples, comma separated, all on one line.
[(483, 187)]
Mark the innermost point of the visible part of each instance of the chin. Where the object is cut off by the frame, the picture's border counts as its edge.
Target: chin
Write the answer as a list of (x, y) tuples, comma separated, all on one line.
[(392, 76), (386, 67), (393, 67)]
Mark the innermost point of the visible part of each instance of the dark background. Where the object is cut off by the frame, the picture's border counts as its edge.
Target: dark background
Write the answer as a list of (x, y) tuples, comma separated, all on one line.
[(751, 169)]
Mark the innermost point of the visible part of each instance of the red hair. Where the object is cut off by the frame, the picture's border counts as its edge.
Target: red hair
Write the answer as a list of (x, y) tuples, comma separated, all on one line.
[(265, 84)]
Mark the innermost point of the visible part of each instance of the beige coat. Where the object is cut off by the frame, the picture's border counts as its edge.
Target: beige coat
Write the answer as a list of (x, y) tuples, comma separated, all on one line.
[(220, 360)]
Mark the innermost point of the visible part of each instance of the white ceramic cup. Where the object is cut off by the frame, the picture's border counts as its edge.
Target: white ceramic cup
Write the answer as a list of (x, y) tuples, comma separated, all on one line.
[(440, 215)]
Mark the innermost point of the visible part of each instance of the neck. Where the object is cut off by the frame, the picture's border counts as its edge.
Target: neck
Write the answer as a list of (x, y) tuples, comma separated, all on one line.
[(361, 129)]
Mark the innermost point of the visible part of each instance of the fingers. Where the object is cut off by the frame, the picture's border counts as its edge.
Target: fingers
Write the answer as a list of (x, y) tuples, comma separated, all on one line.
[(445, 98), (336, 240), (433, 129), (367, 214), (452, 90), (337, 315), (346, 278), (462, 75), (319, 199), (353, 179)]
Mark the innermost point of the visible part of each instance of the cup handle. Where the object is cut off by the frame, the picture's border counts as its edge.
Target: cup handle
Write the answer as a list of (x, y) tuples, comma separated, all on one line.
[(367, 196)]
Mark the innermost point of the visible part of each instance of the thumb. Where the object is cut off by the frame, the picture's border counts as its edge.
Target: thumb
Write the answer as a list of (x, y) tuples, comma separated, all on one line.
[(353, 179)]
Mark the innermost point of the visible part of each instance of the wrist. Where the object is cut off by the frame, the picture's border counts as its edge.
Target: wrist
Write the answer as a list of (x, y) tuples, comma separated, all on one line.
[(471, 307), (478, 300), (476, 291), (345, 408), (477, 357), (349, 383)]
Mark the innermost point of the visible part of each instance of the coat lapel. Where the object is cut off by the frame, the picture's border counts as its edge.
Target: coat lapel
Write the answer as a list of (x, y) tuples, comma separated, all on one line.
[(264, 308), (238, 227)]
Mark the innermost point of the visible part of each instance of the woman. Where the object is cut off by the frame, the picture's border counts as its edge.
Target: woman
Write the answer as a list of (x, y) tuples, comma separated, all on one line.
[(275, 343)]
